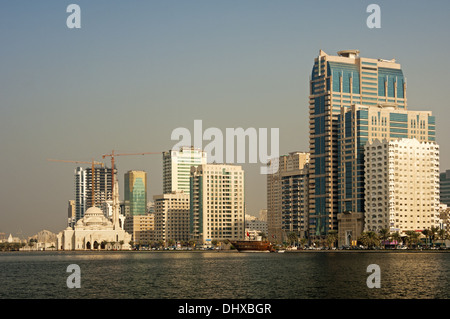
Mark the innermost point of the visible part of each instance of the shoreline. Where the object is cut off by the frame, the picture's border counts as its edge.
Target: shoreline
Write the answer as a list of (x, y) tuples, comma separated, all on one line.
[(306, 251)]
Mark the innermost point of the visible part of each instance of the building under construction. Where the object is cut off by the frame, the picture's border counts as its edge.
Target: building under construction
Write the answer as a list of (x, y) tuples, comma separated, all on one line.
[(102, 190)]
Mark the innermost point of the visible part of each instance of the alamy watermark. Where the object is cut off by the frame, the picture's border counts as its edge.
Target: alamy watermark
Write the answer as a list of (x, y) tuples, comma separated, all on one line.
[(74, 279), (374, 279), (73, 21), (374, 19), (256, 148)]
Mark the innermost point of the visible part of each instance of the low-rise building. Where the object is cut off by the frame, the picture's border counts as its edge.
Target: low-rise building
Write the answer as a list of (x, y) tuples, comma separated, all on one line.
[(172, 218), (141, 228)]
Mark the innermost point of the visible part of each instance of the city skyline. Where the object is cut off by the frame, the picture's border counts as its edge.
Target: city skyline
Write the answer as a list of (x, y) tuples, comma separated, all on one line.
[(134, 72)]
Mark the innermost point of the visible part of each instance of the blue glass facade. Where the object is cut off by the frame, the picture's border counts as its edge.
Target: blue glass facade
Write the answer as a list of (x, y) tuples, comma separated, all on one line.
[(135, 192), (392, 78), (337, 169)]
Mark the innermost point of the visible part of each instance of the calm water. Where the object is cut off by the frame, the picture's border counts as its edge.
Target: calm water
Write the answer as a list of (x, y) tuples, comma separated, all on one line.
[(189, 275)]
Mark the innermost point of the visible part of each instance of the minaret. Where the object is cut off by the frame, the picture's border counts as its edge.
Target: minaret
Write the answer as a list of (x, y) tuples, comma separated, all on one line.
[(116, 206)]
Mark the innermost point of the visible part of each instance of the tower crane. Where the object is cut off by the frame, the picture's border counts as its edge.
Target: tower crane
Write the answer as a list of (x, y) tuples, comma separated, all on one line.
[(113, 155), (93, 172), (85, 162)]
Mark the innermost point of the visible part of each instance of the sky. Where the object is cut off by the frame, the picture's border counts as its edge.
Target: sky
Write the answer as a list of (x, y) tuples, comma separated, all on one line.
[(137, 70)]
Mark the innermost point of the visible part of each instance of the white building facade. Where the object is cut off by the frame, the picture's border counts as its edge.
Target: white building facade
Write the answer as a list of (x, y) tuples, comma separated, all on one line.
[(401, 185), (95, 231), (177, 168), (255, 226), (217, 204)]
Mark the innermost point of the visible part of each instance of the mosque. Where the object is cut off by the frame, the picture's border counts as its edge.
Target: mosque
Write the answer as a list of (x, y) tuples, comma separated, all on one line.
[(95, 231)]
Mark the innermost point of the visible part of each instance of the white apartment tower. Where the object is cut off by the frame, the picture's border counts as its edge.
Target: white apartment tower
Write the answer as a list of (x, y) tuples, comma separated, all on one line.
[(217, 205), (401, 185), (177, 168)]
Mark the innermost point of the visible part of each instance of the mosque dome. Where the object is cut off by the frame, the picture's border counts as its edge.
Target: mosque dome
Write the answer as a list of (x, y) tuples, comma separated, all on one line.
[(93, 217)]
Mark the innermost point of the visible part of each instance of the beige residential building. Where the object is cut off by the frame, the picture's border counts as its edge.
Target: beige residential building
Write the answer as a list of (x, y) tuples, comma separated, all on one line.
[(141, 228), (402, 185), (217, 210), (172, 217), (287, 197)]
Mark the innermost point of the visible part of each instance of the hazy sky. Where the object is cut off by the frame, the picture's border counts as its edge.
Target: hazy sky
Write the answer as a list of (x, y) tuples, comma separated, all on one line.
[(136, 70)]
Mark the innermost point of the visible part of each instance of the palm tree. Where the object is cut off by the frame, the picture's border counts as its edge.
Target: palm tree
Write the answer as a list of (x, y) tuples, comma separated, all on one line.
[(396, 237), (32, 242), (191, 243), (384, 234), (442, 234), (412, 237), (434, 230), (303, 241), (427, 233), (331, 238), (369, 239), (292, 238), (263, 235), (113, 243)]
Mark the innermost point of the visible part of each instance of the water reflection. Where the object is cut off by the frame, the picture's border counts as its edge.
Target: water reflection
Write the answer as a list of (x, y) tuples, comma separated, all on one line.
[(224, 275)]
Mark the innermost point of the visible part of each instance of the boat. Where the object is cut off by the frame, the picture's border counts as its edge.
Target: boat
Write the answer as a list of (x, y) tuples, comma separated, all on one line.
[(252, 246)]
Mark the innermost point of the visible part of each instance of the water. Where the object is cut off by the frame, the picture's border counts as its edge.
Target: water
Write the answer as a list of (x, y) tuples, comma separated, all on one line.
[(224, 275)]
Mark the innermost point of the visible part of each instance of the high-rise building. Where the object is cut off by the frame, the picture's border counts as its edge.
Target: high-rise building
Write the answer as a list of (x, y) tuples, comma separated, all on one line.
[(217, 203), (341, 81), (172, 217), (360, 124), (177, 168), (135, 193), (80, 193), (287, 197), (444, 179), (402, 185), (71, 213), (83, 188)]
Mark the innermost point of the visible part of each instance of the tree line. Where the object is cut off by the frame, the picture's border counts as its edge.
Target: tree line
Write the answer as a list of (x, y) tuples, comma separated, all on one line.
[(372, 239)]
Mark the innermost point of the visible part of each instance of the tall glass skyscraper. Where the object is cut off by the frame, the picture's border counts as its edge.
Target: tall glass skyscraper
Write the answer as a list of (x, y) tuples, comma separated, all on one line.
[(135, 193), (340, 82)]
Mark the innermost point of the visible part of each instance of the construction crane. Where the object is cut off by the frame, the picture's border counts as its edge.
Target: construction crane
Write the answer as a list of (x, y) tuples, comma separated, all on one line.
[(93, 172), (91, 162), (113, 155)]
